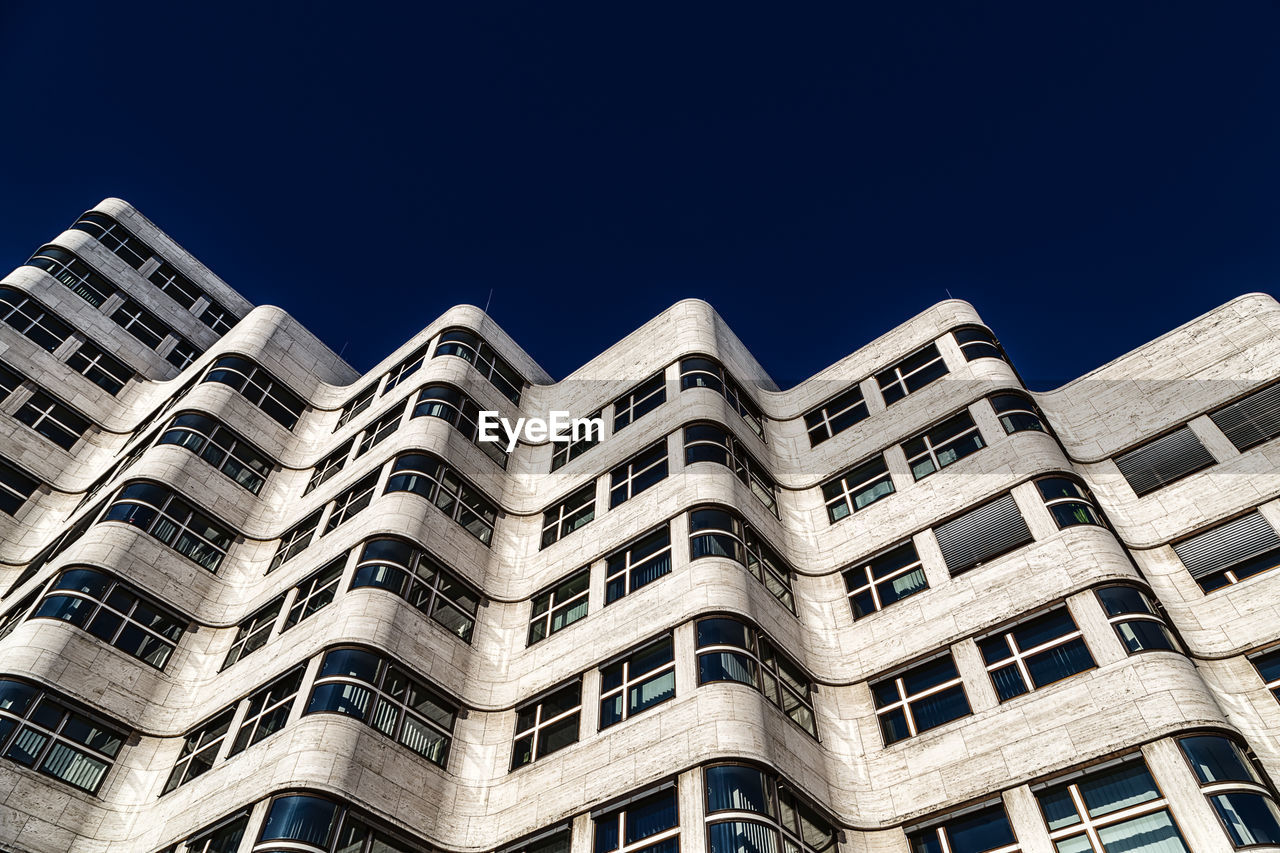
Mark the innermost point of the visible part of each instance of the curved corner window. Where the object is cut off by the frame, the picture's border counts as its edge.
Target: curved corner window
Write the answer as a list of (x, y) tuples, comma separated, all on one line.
[(1017, 413), (750, 809), (80, 278), (415, 576), (1235, 787), (721, 532), (702, 372), (1068, 501), (221, 448), (173, 521), (473, 349), (435, 480), (41, 730), (730, 650), (317, 824), (258, 387), (1138, 624), (456, 408), (713, 443), (978, 342)]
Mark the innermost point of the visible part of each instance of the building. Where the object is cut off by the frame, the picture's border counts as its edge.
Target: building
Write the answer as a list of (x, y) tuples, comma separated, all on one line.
[(255, 601)]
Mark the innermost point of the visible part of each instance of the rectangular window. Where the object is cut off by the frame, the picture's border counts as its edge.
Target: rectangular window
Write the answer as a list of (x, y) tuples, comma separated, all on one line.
[(327, 467), (708, 373), (220, 447), (1107, 809), (637, 682), (938, 447), (917, 370), (573, 512), (42, 326), (106, 372), (314, 593), (471, 348), (15, 488), (981, 534), (883, 579), (639, 401), (835, 416), (356, 405), (294, 541), (560, 606), (420, 579), (857, 488), (258, 387), (9, 381), (406, 368), (731, 650), (1267, 664), (218, 319), (173, 521), (141, 323), (547, 725), (434, 480), (199, 750), (40, 730), (183, 353), (268, 710), (1251, 421), (1163, 460), (451, 405), (719, 532), (352, 501), (638, 564), (645, 469), (713, 443), (1137, 622), (1035, 653), (1231, 552), (53, 420), (984, 829), (565, 452), (253, 633), (920, 698), (377, 431), (1017, 413), (646, 823)]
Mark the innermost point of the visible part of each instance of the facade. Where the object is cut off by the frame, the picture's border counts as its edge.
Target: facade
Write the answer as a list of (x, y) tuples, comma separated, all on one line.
[(253, 601)]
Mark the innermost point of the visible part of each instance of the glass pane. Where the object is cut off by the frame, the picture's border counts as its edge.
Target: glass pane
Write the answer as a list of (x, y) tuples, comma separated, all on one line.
[(1250, 818), (737, 788), (1153, 833)]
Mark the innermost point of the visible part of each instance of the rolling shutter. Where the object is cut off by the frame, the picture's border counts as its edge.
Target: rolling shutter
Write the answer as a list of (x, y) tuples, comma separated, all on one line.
[(1251, 421), (982, 533), (1164, 460), (1227, 545)]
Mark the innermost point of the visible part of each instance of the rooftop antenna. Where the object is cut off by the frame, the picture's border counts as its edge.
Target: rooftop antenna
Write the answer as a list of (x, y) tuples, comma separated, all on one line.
[(487, 301), (344, 348), (948, 290)]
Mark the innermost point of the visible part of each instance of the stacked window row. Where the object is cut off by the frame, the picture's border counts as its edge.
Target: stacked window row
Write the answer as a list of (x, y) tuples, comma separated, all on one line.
[(53, 334)]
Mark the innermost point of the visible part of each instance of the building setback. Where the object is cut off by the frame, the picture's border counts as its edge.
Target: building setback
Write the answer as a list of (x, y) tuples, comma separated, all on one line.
[(253, 601)]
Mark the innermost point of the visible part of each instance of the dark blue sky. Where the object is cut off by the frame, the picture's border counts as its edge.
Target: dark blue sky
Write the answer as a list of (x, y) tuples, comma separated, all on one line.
[(1089, 175)]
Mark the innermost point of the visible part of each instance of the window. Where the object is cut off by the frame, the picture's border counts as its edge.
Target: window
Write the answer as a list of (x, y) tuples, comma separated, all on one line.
[(177, 286), (115, 237), (258, 387), (637, 682), (573, 512), (17, 613), (547, 725), (1035, 653), (217, 318), (638, 564), (1267, 664), (981, 534), (1251, 421), (53, 420), (639, 401), (377, 431), (567, 451), (1163, 460), (471, 348), (294, 541), (328, 467), (978, 342), (221, 448), (645, 469), (352, 501), (730, 650), (199, 750), (415, 576), (9, 381), (380, 693), (835, 416), (314, 593), (356, 405), (173, 521), (1231, 552), (405, 368), (318, 823), (1113, 808), (268, 710), (554, 840), (920, 698), (752, 810), (115, 613), (224, 837), (41, 730), (1017, 413), (1236, 789), (32, 319), (707, 373), (858, 487), (984, 829), (141, 323), (911, 374), (434, 480), (1068, 501), (883, 579), (78, 276), (15, 488), (719, 532), (106, 372), (1137, 622), (559, 607), (183, 353), (451, 405), (712, 443), (646, 823), (253, 633), (938, 447)]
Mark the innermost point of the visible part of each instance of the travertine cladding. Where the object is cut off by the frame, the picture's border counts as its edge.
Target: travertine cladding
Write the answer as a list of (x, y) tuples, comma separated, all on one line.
[(477, 804)]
